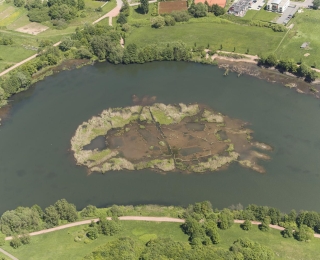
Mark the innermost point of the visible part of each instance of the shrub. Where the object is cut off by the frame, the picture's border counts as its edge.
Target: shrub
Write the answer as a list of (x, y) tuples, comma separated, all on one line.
[(122, 19), (15, 242), (287, 233), (169, 20), (246, 225), (304, 233), (18, 3), (181, 16), (25, 238), (39, 15), (92, 233), (158, 22)]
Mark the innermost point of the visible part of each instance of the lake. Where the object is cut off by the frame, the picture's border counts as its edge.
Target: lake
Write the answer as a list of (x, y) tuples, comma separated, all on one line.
[(37, 167)]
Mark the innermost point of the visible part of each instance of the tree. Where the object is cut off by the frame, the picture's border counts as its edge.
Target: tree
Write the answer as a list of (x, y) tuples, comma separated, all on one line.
[(89, 211), (25, 238), (226, 219), (92, 233), (264, 226), (158, 22), (198, 10), (246, 225), (15, 242), (272, 60), (304, 233), (67, 211), (122, 19), (81, 5), (287, 233), (144, 5), (51, 216), (316, 4), (218, 10), (18, 3)]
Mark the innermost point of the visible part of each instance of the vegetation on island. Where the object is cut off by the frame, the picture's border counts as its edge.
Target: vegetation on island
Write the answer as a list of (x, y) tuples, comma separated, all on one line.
[(189, 138), (207, 233)]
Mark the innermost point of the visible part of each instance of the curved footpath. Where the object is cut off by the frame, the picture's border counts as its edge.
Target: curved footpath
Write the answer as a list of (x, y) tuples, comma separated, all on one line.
[(137, 218), (134, 218)]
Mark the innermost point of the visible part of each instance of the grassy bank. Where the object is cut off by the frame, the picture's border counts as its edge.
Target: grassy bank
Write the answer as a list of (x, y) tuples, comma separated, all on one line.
[(204, 32), (306, 26), (65, 247)]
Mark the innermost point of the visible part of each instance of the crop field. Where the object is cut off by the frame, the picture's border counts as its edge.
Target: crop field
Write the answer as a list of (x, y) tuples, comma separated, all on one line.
[(169, 7), (229, 35), (306, 26)]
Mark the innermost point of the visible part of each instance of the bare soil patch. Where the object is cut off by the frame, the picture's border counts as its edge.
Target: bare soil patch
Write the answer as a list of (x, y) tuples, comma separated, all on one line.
[(33, 28), (169, 7)]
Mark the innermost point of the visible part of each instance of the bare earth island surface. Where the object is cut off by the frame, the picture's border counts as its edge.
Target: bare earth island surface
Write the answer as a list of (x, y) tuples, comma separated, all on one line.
[(185, 138)]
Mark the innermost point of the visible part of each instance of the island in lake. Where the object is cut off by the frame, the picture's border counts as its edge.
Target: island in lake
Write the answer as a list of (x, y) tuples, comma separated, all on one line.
[(188, 138)]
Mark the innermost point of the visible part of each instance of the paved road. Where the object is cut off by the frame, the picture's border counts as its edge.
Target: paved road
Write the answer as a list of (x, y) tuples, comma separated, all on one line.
[(292, 9)]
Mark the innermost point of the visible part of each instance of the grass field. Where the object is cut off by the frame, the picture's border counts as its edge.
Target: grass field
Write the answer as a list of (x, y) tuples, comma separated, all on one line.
[(61, 245), (3, 256), (284, 248), (229, 35), (12, 18), (66, 248), (306, 28)]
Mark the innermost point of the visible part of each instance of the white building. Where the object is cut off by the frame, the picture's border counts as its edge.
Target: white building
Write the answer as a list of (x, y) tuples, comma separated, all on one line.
[(278, 5)]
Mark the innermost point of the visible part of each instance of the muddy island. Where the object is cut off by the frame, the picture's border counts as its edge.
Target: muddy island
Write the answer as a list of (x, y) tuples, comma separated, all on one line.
[(187, 138)]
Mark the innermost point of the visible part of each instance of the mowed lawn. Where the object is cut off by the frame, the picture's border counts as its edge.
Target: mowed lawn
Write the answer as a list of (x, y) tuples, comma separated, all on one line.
[(306, 29), (284, 248), (258, 40), (61, 245)]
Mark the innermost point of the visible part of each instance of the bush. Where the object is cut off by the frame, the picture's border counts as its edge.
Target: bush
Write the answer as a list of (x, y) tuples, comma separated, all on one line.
[(89, 211), (246, 225), (122, 19), (60, 24), (6, 41), (92, 233), (25, 238), (181, 16), (15, 242), (198, 10), (264, 226), (39, 15), (158, 22), (304, 233), (169, 20), (287, 233), (18, 3), (2, 239)]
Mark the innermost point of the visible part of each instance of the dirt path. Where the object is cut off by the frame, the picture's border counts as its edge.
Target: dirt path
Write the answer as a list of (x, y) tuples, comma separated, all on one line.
[(137, 218), (8, 255), (113, 13)]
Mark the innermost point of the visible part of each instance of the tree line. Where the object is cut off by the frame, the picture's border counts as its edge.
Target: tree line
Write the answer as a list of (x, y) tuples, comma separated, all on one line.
[(288, 65)]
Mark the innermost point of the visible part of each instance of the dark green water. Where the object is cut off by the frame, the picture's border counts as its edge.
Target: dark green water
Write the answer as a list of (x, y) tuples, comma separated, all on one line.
[(36, 166)]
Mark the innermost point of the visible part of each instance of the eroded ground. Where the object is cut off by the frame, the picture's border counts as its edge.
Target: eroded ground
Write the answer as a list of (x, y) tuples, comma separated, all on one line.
[(187, 138)]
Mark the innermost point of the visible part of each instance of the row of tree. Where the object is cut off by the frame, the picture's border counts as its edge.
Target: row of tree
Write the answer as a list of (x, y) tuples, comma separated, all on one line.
[(289, 65), (24, 219)]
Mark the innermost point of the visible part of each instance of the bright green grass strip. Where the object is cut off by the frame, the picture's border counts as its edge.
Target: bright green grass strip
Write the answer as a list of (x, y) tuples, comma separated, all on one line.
[(258, 40), (284, 248), (99, 155), (266, 16), (306, 28), (60, 244)]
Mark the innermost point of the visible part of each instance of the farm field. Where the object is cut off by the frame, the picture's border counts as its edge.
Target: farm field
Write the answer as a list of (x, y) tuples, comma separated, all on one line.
[(230, 35), (66, 248), (306, 24), (168, 7)]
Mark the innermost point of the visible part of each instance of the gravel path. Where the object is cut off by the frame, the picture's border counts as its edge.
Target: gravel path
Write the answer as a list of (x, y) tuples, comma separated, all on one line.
[(8, 255)]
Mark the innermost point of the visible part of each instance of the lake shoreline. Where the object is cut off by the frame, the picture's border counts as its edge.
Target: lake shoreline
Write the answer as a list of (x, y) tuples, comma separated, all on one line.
[(228, 64)]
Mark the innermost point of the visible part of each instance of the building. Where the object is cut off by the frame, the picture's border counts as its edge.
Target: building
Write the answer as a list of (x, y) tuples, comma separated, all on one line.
[(221, 3), (278, 5), (240, 8)]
